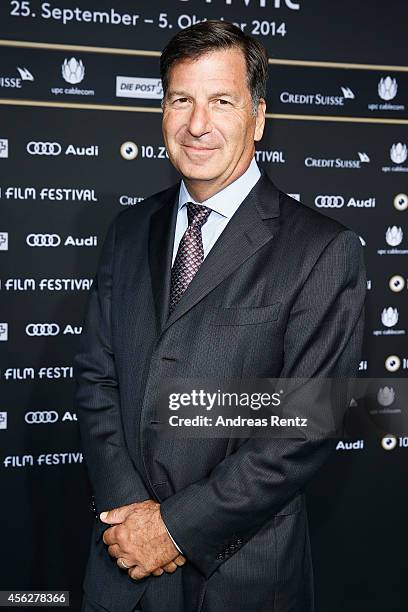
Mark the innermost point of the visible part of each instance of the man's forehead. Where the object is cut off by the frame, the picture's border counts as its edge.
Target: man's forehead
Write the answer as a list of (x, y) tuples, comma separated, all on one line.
[(216, 84), (217, 55), (219, 82)]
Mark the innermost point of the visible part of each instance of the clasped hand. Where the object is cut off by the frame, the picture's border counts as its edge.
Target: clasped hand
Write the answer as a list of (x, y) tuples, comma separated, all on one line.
[(138, 539)]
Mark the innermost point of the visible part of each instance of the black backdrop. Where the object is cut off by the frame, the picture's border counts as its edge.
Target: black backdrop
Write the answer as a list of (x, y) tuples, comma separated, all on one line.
[(80, 139)]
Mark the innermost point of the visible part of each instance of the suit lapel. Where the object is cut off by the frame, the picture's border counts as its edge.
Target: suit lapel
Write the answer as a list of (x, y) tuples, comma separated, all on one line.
[(161, 238), (245, 233)]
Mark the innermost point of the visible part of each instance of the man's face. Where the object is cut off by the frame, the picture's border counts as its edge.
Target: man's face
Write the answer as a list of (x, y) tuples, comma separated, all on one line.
[(208, 126)]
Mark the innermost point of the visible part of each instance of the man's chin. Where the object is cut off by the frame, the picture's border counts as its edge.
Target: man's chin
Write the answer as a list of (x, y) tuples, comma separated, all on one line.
[(199, 173)]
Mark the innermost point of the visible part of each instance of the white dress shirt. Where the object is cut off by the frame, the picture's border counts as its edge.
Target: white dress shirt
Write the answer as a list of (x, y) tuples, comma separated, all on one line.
[(223, 205)]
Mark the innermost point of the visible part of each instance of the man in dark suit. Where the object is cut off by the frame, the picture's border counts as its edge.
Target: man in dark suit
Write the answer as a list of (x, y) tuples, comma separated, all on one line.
[(219, 276)]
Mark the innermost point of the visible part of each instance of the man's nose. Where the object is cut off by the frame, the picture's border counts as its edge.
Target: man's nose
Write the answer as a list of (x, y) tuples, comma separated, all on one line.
[(200, 120)]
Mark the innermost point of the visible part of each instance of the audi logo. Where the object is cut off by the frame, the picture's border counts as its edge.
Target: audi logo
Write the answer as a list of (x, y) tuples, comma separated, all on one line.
[(42, 329), (44, 148), (329, 201), (43, 240), (42, 416)]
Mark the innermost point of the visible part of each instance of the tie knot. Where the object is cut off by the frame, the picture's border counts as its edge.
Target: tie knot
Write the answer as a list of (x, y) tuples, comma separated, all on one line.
[(197, 214)]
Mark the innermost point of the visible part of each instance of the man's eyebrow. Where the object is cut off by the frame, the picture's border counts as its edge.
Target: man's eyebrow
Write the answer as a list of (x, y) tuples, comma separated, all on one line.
[(223, 94), (216, 94), (177, 93)]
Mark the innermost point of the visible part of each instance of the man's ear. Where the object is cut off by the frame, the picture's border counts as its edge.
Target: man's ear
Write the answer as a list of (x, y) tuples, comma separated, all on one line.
[(260, 120)]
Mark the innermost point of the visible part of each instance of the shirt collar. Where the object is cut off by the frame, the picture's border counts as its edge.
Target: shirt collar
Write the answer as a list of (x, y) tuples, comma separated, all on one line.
[(226, 201)]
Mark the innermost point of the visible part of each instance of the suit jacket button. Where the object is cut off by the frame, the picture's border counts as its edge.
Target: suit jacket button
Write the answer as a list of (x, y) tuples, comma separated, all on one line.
[(220, 556), (92, 506)]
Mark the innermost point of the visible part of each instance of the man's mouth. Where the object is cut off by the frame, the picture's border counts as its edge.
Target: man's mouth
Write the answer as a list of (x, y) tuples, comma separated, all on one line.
[(199, 149)]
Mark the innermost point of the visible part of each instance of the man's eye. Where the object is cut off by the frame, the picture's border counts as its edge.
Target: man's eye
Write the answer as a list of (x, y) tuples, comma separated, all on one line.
[(180, 100), (223, 102)]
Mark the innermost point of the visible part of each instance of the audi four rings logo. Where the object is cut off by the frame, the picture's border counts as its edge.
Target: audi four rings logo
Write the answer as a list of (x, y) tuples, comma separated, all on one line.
[(44, 148), (329, 201), (43, 240), (42, 329), (43, 416)]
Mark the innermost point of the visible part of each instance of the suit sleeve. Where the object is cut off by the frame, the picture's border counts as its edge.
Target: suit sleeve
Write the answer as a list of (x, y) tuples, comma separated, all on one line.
[(114, 478), (323, 338)]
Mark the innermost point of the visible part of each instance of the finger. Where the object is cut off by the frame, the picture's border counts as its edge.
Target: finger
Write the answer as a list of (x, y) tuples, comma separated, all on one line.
[(117, 515), (137, 573), (115, 551), (115, 535), (109, 536), (124, 564), (180, 560), (158, 572), (170, 567)]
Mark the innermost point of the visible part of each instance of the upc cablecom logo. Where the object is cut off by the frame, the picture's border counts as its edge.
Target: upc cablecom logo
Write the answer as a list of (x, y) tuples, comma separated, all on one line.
[(73, 71), (387, 88), (398, 154), (394, 235)]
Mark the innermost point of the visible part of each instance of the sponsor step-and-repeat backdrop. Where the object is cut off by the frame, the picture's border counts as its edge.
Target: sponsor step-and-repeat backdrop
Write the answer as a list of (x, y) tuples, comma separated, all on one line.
[(80, 140)]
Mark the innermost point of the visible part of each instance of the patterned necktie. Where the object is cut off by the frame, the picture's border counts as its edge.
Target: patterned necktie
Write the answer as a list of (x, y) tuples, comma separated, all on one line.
[(190, 253)]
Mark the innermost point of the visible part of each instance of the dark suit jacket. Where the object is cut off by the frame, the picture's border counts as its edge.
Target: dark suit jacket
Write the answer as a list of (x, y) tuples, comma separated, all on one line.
[(281, 293)]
